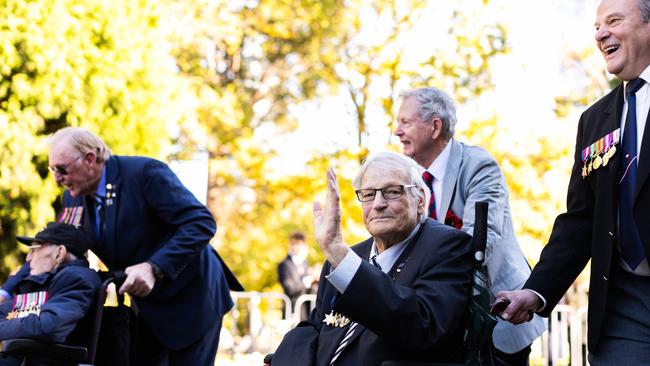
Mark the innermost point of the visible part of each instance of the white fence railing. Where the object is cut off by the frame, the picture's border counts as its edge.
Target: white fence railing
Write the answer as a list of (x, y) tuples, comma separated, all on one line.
[(259, 320), (565, 340)]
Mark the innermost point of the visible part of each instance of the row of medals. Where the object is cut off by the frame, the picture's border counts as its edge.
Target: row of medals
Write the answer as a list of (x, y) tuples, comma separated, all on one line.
[(336, 319), (598, 161), (21, 313)]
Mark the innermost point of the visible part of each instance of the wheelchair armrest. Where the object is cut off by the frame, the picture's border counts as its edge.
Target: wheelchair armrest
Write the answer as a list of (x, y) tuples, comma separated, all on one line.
[(31, 347)]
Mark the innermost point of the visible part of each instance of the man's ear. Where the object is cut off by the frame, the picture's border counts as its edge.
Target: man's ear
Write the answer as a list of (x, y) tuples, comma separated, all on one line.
[(436, 130), (90, 157), (421, 201), (61, 252)]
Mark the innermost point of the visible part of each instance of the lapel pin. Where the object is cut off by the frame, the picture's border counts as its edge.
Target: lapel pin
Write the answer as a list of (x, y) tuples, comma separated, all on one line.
[(329, 318)]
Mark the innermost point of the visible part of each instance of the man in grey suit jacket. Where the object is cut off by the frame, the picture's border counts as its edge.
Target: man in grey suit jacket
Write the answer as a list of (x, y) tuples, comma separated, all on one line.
[(460, 175)]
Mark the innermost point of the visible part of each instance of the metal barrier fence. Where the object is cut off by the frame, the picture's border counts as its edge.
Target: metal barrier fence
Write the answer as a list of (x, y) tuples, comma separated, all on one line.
[(259, 320)]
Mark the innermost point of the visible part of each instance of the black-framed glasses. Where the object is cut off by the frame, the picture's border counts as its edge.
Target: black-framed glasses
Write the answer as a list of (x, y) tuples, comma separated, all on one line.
[(62, 169), (389, 192)]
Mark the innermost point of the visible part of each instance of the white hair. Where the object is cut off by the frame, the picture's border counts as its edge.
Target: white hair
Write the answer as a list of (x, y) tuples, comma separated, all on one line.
[(401, 163)]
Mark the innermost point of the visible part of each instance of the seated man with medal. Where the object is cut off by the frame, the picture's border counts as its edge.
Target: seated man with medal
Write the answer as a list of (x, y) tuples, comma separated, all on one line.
[(399, 295), (49, 302)]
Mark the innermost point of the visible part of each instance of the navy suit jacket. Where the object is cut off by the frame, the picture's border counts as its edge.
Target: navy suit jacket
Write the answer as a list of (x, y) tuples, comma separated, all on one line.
[(589, 227), (71, 291), (153, 217), (415, 313)]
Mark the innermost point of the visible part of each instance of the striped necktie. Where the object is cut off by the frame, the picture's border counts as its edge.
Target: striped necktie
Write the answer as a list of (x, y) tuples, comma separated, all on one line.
[(352, 327), (428, 179)]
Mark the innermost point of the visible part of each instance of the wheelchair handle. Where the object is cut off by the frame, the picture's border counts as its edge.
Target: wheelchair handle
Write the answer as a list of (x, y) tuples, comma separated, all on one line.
[(118, 278)]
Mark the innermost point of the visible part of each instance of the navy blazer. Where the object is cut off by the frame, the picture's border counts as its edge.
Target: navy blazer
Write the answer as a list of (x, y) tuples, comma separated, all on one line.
[(71, 291), (153, 217), (415, 313), (589, 227)]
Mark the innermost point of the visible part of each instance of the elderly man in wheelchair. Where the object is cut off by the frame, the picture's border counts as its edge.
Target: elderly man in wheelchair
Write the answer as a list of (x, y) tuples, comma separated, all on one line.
[(401, 294), (50, 301)]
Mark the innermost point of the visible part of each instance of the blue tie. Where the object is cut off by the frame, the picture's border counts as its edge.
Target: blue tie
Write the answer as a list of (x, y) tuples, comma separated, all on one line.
[(99, 216), (631, 246)]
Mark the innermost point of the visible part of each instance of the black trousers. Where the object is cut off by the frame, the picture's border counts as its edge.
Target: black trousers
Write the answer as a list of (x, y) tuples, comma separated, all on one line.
[(625, 335), (515, 359), (150, 352)]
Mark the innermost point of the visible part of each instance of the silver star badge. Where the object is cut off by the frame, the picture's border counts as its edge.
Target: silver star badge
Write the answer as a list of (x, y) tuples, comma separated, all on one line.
[(330, 319)]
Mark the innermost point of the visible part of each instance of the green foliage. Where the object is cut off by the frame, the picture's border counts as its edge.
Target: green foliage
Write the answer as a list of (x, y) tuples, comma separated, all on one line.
[(248, 62), (98, 64), (223, 77)]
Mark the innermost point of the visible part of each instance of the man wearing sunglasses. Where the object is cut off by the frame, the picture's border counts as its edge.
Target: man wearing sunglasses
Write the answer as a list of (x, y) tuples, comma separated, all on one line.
[(460, 175), (50, 301), (399, 295), (145, 222)]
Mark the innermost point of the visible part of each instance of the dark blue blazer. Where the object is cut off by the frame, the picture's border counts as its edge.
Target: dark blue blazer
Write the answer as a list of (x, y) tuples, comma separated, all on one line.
[(588, 230), (71, 291), (153, 217), (415, 313)]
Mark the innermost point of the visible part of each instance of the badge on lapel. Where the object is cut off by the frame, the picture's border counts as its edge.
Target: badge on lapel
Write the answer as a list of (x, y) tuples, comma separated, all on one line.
[(599, 153), (336, 320), (71, 216), (110, 194)]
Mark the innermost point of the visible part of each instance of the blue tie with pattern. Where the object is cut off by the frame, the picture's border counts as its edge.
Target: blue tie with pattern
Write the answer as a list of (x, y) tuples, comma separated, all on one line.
[(631, 246)]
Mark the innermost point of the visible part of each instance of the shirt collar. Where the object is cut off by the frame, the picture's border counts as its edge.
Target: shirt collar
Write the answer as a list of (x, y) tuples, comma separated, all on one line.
[(645, 75), (101, 189), (388, 257), (439, 166)]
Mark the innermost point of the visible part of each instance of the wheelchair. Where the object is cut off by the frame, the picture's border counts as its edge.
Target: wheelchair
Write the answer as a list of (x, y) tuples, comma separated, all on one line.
[(39, 353), (480, 323)]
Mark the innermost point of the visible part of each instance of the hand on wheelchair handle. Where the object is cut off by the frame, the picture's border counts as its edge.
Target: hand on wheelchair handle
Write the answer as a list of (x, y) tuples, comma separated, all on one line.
[(140, 280)]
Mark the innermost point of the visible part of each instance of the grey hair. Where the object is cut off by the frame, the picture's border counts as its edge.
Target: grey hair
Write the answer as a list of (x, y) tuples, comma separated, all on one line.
[(82, 141), (433, 102), (402, 163), (644, 8)]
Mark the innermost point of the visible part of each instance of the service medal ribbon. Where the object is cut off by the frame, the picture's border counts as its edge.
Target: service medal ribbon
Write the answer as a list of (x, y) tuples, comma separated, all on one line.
[(599, 153), (26, 304), (71, 215)]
